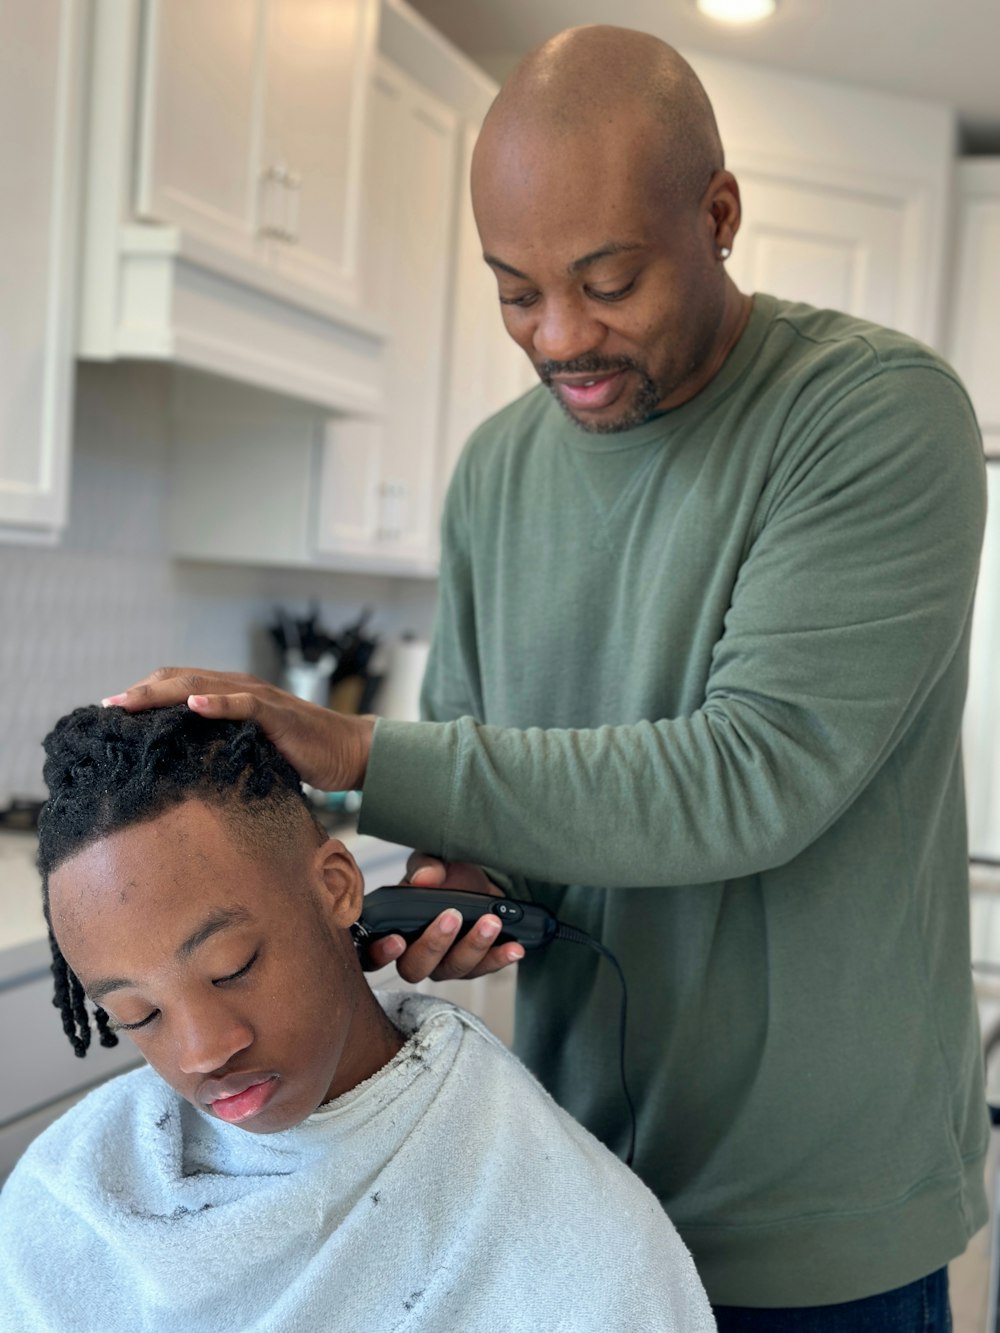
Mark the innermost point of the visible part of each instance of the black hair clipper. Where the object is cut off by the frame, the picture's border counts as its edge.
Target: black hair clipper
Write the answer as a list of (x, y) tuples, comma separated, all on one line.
[(406, 910)]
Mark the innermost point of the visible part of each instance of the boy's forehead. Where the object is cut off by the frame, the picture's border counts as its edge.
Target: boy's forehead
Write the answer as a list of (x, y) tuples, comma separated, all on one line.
[(188, 851)]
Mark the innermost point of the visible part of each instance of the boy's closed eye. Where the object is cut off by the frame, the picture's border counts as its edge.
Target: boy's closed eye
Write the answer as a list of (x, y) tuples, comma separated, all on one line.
[(116, 1025)]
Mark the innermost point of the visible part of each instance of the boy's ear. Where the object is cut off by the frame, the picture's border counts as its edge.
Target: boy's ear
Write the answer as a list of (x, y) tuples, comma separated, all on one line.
[(342, 886)]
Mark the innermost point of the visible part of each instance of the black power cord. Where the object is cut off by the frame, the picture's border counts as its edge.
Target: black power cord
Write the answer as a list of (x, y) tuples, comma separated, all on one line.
[(575, 936), (408, 910)]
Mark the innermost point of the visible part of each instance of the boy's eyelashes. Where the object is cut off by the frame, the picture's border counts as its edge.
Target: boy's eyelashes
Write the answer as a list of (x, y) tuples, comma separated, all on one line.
[(117, 1026)]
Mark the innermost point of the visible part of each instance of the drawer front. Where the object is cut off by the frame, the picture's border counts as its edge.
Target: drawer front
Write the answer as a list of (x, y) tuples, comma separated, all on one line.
[(38, 1063)]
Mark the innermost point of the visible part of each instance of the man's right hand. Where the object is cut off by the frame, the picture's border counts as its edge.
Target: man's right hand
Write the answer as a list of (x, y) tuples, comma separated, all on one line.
[(436, 954)]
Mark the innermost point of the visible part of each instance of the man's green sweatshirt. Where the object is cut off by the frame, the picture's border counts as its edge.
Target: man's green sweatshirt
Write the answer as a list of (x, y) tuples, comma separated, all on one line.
[(698, 687)]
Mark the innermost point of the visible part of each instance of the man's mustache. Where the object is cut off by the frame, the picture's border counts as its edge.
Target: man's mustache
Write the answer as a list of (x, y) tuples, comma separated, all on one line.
[(586, 365)]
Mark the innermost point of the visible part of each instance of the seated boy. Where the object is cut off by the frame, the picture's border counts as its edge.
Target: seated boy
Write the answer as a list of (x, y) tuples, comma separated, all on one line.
[(299, 1156)]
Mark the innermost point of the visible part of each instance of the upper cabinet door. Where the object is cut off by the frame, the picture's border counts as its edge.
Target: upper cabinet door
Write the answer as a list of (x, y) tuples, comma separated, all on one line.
[(318, 67), (825, 244), (844, 192), (408, 255), (199, 119), (252, 131), (41, 104)]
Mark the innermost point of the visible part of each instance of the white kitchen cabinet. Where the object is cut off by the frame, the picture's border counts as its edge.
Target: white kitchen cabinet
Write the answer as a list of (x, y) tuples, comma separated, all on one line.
[(360, 488), (451, 363), (380, 477), (830, 247), (253, 130), (486, 368), (319, 66), (224, 162), (199, 94), (845, 193), (357, 490), (42, 49)]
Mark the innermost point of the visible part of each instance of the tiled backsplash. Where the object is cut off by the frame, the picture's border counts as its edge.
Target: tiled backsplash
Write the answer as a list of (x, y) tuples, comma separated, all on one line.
[(85, 618)]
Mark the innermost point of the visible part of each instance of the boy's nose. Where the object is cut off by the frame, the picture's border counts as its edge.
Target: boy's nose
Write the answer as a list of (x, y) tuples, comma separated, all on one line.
[(209, 1043)]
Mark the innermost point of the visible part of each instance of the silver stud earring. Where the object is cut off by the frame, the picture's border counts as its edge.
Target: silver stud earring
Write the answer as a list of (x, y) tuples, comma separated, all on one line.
[(724, 252)]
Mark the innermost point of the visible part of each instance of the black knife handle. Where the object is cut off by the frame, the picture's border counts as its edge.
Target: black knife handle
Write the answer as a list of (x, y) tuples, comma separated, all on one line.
[(404, 910)]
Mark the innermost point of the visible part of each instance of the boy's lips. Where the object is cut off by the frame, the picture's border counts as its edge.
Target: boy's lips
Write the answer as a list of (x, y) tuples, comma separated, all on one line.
[(239, 1097)]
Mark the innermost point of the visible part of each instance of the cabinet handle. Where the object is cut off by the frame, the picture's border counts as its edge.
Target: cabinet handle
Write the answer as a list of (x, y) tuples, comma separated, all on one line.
[(273, 203), (293, 188), (392, 509)]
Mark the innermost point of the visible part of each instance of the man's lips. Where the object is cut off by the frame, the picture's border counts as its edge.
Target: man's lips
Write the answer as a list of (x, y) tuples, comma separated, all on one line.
[(590, 391), (239, 1096)]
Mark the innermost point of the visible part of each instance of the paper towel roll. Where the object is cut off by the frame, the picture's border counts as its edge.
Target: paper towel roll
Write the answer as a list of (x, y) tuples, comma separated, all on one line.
[(399, 696)]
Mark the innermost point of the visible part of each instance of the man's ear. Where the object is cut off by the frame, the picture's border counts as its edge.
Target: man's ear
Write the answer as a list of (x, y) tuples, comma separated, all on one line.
[(341, 885), (723, 210)]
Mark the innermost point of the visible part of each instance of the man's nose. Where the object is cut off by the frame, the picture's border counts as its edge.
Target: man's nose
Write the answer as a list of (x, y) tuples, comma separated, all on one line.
[(208, 1040), (567, 329)]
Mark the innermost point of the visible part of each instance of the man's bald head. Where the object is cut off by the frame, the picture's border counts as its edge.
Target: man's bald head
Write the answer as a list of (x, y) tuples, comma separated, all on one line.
[(594, 81), (606, 215)]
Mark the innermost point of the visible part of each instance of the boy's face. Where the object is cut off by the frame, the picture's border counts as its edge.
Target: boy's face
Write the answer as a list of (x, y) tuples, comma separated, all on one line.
[(232, 972)]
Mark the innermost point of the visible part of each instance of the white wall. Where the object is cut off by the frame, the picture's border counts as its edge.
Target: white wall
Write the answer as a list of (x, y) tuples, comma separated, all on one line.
[(86, 618)]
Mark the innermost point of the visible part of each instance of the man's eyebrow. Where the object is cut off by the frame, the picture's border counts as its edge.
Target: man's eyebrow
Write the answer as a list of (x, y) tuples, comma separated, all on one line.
[(505, 268), (603, 252), (220, 919)]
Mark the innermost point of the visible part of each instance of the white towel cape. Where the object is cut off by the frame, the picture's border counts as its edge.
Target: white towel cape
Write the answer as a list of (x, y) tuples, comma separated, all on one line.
[(447, 1194)]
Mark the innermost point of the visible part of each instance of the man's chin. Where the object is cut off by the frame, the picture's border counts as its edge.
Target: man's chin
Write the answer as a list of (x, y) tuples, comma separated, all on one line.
[(636, 413)]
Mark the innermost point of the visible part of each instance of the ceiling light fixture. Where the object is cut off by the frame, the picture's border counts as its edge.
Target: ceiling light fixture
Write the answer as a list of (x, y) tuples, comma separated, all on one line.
[(737, 11)]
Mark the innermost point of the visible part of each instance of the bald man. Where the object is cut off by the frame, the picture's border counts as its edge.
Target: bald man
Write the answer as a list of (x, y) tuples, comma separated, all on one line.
[(696, 684)]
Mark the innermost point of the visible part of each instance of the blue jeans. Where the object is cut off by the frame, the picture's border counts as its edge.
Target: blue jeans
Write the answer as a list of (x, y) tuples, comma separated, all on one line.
[(921, 1307)]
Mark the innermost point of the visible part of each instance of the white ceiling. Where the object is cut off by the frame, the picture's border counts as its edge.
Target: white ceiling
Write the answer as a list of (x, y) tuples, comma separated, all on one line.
[(944, 50)]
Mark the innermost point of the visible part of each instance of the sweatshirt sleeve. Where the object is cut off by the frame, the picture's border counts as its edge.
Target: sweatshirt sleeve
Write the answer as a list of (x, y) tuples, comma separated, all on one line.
[(852, 604)]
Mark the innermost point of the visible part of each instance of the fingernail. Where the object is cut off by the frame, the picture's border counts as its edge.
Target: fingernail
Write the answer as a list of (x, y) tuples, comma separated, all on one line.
[(420, 875), (515, 953), (197, 701), (113, 699), (394, 946), (450, 921), (488, 928)]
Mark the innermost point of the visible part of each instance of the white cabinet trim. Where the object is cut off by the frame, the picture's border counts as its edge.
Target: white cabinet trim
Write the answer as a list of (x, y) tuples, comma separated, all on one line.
[(42, 503)]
